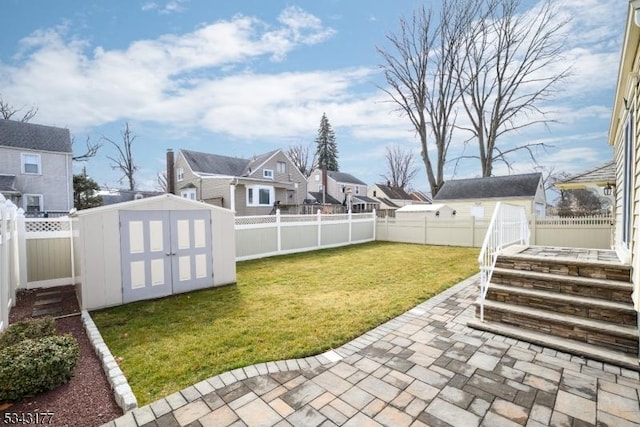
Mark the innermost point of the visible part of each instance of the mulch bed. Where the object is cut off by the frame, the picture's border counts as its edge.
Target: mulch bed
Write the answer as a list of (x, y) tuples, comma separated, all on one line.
[(86, 400)]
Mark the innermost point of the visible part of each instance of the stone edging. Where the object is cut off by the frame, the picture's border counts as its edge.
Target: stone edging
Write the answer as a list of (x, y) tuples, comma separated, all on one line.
[(122, 391)]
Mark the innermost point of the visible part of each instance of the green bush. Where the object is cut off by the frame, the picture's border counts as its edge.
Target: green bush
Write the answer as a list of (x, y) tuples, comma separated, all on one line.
[(36, 365), (27, 329)]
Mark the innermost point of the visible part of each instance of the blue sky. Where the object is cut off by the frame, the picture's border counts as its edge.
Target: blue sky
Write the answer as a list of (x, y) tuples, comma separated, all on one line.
[(246, 77)]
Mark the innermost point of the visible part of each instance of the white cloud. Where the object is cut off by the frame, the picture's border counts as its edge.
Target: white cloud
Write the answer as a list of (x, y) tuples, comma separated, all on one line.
[(174, 6)]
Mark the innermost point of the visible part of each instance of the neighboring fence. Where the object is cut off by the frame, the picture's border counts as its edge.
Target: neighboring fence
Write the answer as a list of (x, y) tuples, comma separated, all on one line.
[(580, 232), (262, 236), (49, 252), (12, 257)]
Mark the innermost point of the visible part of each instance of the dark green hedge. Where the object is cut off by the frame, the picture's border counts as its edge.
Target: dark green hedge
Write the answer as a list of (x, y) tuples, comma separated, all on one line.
[(27, 329)]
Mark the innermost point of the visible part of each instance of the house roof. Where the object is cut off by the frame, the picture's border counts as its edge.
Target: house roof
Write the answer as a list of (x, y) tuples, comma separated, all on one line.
[(365, 199), (216, 164), (6, 184), (394, 192), (525, 185), (387, 202), (34, 137), (599, 176), (126, 196), (317, 198), (344, 177), (419, 196)]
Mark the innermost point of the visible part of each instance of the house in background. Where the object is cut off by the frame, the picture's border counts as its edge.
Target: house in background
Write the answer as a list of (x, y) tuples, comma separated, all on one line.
[(478, 197), (390, 197), (601, 180), (36, 167), (420, 197), (255, 186), (342, 187)]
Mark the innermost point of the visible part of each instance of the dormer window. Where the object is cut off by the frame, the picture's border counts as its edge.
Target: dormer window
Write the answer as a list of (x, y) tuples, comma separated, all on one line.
[(267, 173)]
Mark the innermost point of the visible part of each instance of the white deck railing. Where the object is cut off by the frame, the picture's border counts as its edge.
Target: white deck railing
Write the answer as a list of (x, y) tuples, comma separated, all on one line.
[(508, 226)]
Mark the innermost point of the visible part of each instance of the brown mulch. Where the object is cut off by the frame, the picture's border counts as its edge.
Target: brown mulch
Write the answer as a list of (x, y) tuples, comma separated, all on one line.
[(86, 400)]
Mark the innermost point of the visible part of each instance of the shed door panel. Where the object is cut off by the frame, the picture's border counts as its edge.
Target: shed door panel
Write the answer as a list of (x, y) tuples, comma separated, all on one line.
[(191, 243), (146, 254)]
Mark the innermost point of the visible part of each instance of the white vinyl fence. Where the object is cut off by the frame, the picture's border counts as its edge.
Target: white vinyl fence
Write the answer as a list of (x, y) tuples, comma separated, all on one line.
[(49, 252), (579, 232), (12, 257), (267, 235)]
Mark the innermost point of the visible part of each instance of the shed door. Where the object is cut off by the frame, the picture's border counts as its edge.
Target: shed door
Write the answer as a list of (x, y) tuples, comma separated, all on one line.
[(164, 252), (191, 250)]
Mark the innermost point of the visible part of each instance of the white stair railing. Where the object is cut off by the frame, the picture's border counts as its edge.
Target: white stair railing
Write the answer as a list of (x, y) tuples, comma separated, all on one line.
[(508, 226)]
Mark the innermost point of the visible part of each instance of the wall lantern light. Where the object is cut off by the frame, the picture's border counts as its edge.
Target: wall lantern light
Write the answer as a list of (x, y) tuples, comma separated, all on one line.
[(608, 189)]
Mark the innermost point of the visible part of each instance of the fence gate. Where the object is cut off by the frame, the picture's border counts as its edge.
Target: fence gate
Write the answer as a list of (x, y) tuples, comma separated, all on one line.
[(164, 252)]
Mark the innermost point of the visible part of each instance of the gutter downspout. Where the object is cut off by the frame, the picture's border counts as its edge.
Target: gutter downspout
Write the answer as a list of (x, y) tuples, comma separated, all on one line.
[(232, 196)]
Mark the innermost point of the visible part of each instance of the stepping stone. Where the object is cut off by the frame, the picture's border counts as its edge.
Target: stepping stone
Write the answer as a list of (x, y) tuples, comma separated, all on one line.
[(40, 302), (46, 311), (47, 293)]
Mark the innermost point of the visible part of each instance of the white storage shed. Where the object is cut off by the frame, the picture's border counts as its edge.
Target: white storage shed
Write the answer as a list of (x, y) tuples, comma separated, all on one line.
[(420, 211), (151, 248)]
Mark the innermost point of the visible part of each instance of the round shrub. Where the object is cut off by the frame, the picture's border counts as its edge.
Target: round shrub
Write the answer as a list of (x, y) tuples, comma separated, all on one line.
[(27, 329), (36, 365)]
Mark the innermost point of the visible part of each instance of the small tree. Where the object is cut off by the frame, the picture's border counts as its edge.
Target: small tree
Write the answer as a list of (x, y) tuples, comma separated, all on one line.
[(8, 111), (299, 155), (400, 167), (327, 151), (124, 159), (84, 191)]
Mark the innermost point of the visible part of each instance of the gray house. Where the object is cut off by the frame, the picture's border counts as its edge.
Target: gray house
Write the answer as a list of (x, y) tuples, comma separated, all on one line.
[(255, 186), (477, 197), (342, 187), (36, 167)]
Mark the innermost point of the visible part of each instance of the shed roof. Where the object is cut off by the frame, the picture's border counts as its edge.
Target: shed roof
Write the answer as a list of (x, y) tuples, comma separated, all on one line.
[(423, 208), (600, 176), (524, 185), (153, 202), (34, 137)]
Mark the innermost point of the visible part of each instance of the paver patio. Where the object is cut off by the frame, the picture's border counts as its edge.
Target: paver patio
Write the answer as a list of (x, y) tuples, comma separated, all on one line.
[(423, 368)]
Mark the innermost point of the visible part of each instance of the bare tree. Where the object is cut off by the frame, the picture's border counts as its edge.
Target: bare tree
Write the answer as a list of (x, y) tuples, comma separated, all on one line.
[(509, 68), (91, 149), (7, 111), (400, 167), (299, 155), (419, 70), (123, 161)]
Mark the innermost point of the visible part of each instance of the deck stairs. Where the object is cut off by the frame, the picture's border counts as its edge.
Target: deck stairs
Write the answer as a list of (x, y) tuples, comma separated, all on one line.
[(575, 301)]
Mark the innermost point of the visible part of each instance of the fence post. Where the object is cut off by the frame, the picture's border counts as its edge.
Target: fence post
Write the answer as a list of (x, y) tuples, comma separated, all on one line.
[(278, 231), (349, 219), (319, 220), (4, 270), (375, 223)]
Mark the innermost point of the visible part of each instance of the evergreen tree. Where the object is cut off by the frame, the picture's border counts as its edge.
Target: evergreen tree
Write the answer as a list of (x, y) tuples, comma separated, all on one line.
[(327, 151), (84, 189)]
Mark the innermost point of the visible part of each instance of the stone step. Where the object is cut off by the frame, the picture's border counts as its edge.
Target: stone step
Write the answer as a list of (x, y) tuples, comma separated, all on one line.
[(611, 290), (47, 311), (48, 293), (589, 308), (41, 301), (578, 348), (616, 337), (566, 267)]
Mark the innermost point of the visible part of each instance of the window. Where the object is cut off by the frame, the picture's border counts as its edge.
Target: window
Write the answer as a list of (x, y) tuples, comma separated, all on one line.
[(260, 195), (188, 193), (282, 167), (33, 203), (179, 174), (357, 190), (267, 173), (31, 164)]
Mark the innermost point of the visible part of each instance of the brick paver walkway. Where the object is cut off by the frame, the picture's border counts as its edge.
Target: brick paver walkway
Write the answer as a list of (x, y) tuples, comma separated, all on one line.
[(423, 368)]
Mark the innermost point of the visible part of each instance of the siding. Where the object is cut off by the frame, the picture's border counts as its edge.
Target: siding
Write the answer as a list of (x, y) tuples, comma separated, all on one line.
[(55, 183)]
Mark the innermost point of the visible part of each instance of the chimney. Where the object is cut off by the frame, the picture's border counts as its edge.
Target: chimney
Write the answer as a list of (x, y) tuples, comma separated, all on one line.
[(171, 175)]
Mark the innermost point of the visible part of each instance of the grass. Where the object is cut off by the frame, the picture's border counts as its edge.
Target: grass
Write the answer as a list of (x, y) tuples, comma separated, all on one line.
[(283, 307)]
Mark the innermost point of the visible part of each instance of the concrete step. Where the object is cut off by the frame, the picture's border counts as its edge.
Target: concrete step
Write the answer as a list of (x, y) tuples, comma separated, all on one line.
[(578, 348), (585, 307), (565, 266), (611, 290), (616, 337)]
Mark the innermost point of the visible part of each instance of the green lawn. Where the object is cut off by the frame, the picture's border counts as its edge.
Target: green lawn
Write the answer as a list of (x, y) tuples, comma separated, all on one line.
[(282, 307)]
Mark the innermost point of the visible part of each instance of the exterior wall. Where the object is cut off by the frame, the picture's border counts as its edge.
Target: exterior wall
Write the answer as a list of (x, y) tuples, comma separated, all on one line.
[(290, 175), (55, 182), (380, 194), (334, 188), (464, 208)]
